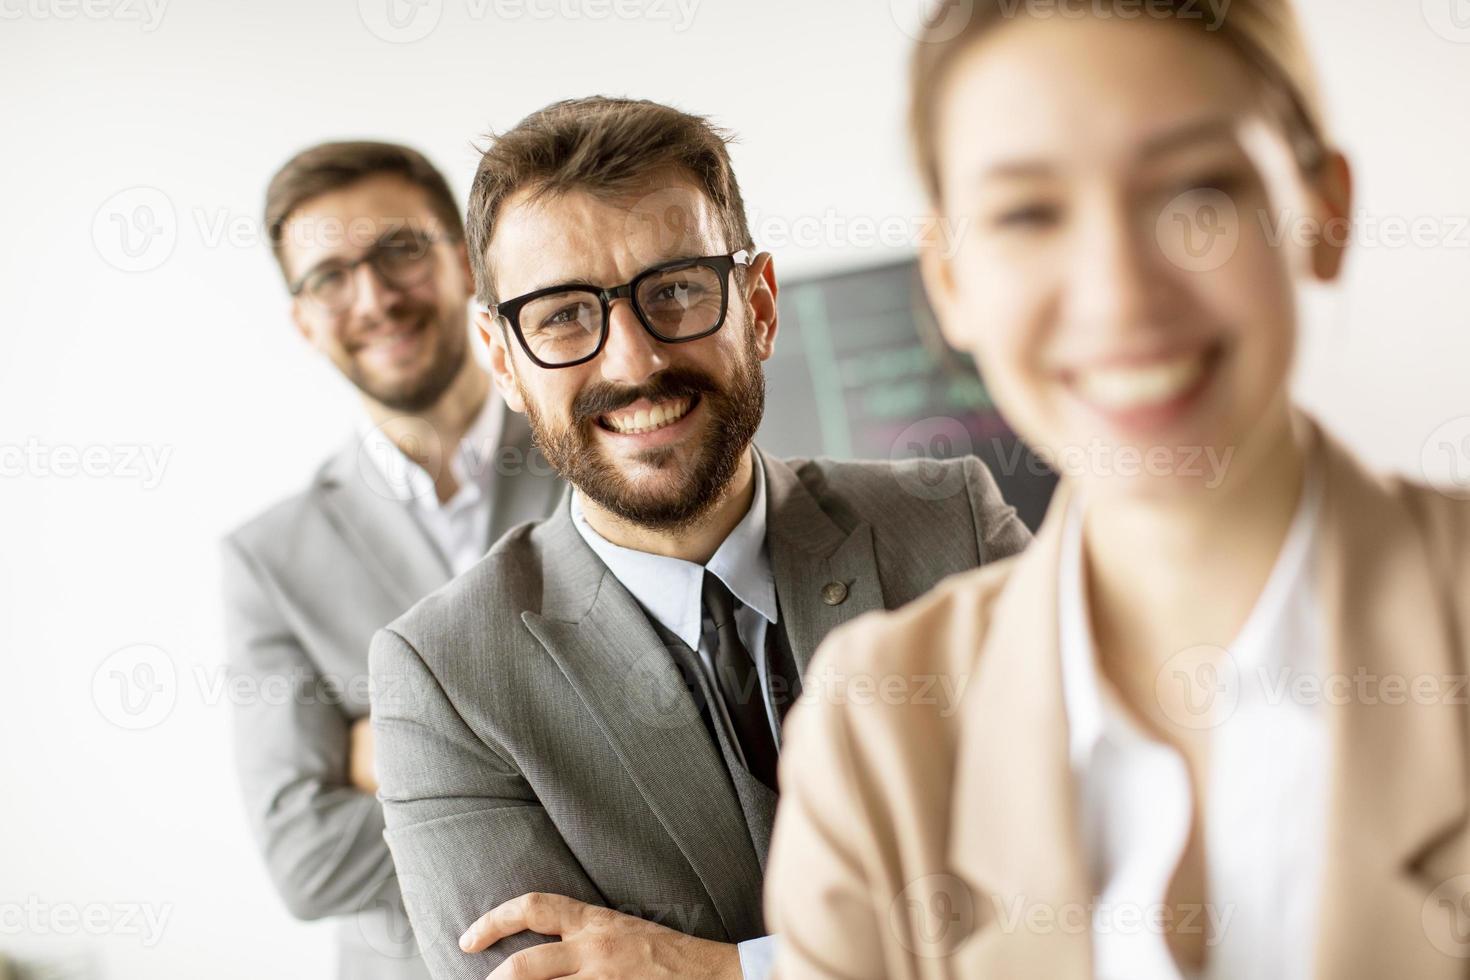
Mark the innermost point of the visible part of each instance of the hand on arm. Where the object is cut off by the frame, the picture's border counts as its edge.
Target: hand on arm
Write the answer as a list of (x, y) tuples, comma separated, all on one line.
[(596, 941)]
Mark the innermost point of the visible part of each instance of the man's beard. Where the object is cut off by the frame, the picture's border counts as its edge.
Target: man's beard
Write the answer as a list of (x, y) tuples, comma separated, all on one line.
[(421, 392), (734, 416)]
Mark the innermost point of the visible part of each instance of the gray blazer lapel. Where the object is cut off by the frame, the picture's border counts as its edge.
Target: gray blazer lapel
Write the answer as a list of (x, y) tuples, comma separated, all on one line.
[(628, 680), (825, 576), (379, 527)]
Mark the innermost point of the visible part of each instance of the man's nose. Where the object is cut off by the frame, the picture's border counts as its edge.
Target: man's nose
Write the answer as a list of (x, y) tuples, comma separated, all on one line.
[(632, 354), (372, 294)]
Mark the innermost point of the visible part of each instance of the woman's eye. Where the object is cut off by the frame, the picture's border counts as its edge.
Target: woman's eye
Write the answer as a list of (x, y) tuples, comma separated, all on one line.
[(1028, 216), (1218, 183)]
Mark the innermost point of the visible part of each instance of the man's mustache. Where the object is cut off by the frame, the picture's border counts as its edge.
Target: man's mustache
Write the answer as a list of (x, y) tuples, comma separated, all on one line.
[(602, 398)]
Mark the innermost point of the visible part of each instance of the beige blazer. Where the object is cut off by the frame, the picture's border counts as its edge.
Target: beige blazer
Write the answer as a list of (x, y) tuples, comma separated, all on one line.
[(927, 826)]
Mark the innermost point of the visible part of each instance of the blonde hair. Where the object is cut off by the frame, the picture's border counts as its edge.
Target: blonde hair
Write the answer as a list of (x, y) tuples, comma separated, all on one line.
[(1266, 34)]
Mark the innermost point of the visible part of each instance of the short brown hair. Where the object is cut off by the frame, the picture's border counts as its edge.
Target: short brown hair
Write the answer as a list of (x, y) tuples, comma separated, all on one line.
[(607, 146), (328, 167), (1265, 33)]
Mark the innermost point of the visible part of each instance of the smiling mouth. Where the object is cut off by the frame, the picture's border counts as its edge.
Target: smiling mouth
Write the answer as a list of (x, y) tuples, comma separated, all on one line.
[(388, 340), (1127, 387), (643, 419)]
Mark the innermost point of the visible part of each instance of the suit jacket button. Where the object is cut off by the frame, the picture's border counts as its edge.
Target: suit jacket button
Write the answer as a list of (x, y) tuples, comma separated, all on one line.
[(833, 593)]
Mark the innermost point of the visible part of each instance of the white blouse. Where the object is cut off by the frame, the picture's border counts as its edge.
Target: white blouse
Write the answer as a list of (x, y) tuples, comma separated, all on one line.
[(1267, 800)]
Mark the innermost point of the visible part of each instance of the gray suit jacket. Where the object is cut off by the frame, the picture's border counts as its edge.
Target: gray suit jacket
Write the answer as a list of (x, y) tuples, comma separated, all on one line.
[(534, 733), (305, 586)]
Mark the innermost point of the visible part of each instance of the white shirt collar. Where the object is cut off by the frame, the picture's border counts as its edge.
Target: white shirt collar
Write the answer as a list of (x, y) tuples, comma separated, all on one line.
[(669, 588), (473, 462), (1092, 709)]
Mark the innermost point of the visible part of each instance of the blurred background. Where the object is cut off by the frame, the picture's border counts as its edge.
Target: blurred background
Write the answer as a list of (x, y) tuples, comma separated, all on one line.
[(153, 393)]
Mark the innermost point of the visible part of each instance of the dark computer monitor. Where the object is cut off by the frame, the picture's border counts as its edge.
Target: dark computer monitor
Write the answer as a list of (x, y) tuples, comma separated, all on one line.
[(860, 371)]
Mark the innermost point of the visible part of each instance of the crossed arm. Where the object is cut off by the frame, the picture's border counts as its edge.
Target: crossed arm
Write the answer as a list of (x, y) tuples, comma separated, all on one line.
[(468, 835), (320, 830)]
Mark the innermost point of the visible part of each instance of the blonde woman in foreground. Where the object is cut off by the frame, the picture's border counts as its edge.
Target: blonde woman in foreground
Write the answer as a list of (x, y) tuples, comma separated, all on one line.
[(1213, 722)]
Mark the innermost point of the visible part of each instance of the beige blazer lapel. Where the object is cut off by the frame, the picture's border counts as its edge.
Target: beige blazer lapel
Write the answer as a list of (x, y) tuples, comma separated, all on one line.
[(1014, 832), (1397, 818)]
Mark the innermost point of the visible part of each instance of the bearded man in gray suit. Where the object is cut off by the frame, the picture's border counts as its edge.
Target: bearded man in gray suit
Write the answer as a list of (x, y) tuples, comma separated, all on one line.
[(578, 736), (371, 243)]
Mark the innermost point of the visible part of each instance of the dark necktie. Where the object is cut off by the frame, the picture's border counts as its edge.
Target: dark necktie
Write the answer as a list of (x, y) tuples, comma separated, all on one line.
[(739, 684)]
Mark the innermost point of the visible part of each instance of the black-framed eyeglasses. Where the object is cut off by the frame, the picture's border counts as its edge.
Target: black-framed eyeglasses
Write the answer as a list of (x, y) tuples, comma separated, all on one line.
[(678, 301), (402, 259)]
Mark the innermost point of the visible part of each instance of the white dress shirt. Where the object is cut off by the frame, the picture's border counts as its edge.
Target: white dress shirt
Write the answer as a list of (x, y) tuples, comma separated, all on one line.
[(1268, 772), (460, 526), (670, 590)]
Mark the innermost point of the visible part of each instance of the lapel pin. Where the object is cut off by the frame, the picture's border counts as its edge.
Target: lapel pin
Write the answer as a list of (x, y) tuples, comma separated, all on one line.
[(833, 593)]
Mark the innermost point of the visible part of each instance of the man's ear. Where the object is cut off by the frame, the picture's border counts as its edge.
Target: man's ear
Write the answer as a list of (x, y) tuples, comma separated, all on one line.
[(462, 257), (293, 310), (1333, 189), (937, 272), (502, 359), (761, 293)]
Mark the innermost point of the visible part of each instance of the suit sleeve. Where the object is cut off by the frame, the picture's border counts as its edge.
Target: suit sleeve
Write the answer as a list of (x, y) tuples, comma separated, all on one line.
[(464, 826), (321, 837), (818, 899), (999, 529)]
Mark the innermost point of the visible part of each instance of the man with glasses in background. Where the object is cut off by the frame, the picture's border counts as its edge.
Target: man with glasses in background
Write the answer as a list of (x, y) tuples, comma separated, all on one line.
[(371, 244), (586, 741)]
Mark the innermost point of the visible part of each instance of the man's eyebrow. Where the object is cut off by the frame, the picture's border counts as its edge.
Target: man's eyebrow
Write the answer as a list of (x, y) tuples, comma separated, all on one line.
[(589, 284), (568, 283), (389, 234)]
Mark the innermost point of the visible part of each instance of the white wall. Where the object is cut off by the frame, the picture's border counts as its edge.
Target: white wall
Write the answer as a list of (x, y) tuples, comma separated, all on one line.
[(194, 358)]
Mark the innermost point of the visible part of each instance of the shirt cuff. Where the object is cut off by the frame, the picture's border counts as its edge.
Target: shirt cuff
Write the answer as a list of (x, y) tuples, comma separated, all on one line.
[(757, 958)]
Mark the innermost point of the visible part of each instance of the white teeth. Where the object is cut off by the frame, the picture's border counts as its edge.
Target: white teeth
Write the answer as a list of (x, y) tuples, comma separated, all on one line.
[(647, 420), (1138, 386)]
